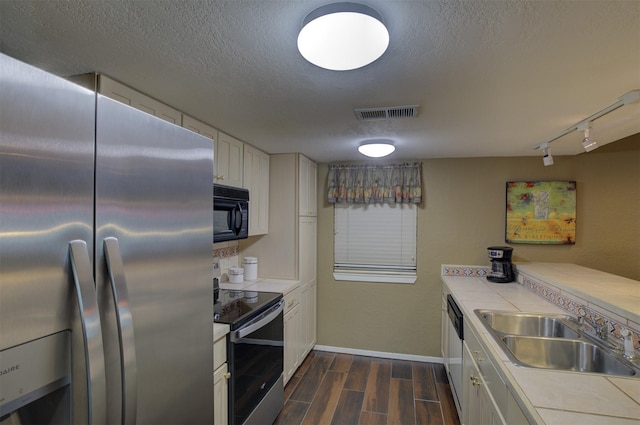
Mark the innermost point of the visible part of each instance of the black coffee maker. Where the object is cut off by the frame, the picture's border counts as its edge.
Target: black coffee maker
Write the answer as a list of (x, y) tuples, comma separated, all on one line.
[(501, 267)]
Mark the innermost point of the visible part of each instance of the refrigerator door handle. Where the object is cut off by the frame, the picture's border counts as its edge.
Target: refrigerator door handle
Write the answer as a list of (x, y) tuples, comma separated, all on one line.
[(91, 331), (124, 318)]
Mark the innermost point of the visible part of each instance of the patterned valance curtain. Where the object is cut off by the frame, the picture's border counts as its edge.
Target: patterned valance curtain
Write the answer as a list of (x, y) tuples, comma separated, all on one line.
[(375, 183)]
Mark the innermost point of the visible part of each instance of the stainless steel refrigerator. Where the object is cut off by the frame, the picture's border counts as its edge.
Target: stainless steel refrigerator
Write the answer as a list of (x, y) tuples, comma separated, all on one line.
[(106, 301)]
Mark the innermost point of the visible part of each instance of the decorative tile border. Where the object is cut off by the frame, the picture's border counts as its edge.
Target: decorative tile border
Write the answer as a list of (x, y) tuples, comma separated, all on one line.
[(578, 308), (228, 251), (467, 271)]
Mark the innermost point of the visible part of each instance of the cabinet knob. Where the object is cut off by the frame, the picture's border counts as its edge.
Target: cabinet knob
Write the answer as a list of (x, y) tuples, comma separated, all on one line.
[(219, 177), (227, 375), (474, 381)]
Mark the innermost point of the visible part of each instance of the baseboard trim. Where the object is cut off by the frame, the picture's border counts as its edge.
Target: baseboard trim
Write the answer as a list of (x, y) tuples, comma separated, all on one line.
[(381, 354)]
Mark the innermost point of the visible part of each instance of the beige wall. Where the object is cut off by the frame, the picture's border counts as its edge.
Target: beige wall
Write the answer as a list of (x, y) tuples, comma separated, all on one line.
[(462, 214)]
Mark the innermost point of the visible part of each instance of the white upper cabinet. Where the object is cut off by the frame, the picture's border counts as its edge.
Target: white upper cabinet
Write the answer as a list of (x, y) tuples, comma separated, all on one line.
[(124, 94), (307, 187), (229, 161), (228, 153), (256, 180), (205, 130)]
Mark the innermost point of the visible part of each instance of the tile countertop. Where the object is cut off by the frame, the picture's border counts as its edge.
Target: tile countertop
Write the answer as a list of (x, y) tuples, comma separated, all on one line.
[(551, 397), (614, 293), (219, 331), (282, 286)]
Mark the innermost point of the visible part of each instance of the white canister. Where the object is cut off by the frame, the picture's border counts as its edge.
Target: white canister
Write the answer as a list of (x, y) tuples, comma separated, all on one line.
[(250, 268), (236, 274)]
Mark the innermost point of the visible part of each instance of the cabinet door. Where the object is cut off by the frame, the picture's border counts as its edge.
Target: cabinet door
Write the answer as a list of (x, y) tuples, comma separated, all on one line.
[(307, 277), (220, 396), (229, 161), (127, 95), (514, 415), (307, 190), (307, 249), (305, 321), (488, 411), (256, 180), (470, 382), (313, 313), (478, 405), (291, 342), (203, 129)]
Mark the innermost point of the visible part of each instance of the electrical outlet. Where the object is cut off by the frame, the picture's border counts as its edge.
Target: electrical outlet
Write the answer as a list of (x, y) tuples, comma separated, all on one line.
[(216, 267)]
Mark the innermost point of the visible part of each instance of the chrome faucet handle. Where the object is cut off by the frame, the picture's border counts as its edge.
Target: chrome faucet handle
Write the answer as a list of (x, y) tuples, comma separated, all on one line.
[(601, 328), (598, 324)]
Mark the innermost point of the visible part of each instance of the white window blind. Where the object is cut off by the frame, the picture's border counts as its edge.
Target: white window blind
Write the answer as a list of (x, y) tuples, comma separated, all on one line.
[(375, 239)]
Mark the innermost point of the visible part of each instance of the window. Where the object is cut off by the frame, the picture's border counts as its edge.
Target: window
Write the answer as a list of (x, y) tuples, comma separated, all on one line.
[(375, 242)]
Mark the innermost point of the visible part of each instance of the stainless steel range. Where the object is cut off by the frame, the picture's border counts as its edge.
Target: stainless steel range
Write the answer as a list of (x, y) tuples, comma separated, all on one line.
[(255, 353)]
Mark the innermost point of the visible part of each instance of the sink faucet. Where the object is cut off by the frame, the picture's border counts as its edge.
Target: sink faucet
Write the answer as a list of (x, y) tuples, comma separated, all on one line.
[(599, 326)]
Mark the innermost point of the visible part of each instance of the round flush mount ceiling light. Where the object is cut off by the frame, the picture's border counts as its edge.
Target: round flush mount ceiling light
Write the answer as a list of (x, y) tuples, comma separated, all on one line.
[(343, 36), (376, 149)]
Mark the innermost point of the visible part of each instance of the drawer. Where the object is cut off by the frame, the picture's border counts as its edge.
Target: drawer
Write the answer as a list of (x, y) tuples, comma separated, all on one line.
[(219, 352), (291, 299)]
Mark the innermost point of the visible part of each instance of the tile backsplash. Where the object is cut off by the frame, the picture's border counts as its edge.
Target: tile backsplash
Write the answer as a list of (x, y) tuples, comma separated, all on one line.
[(227, 254), (582, 308), (566, 301)]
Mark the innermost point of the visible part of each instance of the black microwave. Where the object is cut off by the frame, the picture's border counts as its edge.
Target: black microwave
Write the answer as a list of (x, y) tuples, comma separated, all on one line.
[(230, 213)]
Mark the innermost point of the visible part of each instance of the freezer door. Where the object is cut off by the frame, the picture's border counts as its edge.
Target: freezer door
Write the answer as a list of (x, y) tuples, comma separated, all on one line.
[(154, 214), (47, 129)]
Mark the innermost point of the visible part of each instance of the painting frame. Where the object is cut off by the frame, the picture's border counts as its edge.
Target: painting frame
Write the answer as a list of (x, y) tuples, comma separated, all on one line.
[(541, 212)]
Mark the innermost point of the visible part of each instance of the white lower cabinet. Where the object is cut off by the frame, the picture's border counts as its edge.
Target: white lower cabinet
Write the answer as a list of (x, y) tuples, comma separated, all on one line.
[(308, 282), (478, 406), (514, 415), (308, 295), (486, 400), (220, 385), (220, 396), (291, 342), (292, 333)]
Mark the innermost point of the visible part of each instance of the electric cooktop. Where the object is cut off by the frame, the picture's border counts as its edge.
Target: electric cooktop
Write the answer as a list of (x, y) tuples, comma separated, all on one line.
[(234, 307)]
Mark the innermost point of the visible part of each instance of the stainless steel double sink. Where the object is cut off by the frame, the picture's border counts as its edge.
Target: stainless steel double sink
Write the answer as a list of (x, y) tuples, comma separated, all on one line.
[(553, 341)]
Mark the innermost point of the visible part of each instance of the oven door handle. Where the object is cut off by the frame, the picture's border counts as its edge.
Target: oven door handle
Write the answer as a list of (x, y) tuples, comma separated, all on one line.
[(258, 322)]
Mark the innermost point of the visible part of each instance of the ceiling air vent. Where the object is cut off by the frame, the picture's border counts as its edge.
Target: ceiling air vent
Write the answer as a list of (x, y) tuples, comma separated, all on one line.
[(386, 113)]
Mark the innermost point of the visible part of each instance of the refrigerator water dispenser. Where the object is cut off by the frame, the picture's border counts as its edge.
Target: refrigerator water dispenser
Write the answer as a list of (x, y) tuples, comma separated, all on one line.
[(35, 381)]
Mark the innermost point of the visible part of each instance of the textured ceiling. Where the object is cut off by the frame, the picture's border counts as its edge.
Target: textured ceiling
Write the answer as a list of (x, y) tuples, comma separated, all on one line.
[(492, 78)]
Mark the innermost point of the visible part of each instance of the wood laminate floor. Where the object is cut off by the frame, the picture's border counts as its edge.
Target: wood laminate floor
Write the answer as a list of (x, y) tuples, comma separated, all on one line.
[(345, 389)]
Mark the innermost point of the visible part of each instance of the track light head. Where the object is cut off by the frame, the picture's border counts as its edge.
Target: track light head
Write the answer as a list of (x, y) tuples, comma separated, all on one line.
[(587, 143), (547, 159)]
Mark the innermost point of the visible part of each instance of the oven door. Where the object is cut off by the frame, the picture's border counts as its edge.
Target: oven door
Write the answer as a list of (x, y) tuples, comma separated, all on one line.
[(256, 352)]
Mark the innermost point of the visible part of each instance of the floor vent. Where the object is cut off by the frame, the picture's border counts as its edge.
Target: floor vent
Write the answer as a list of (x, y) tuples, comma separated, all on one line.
[(386, 113)]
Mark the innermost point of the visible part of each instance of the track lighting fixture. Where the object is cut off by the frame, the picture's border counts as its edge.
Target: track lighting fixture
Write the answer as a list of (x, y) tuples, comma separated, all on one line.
[(587, 143), (547, 159)]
